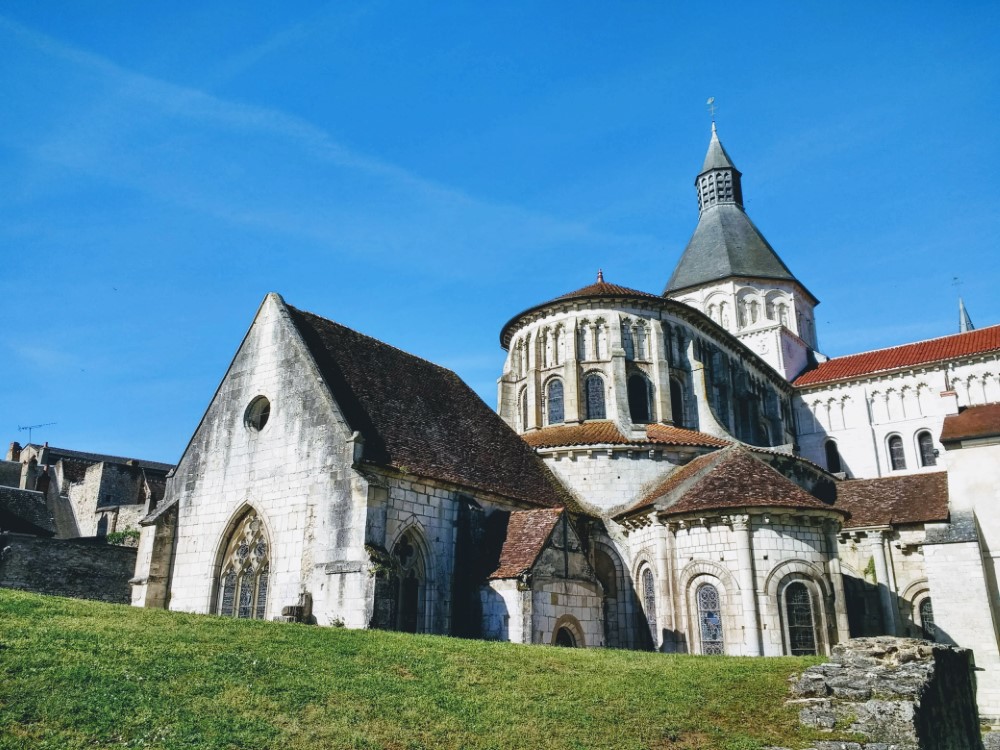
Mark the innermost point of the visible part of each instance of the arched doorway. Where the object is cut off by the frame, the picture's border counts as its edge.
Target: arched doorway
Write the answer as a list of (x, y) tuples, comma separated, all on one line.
[(564, 638), (408, 584)]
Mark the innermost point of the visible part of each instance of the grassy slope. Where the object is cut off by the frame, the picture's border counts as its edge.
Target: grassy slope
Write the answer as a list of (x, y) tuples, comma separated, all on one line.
[(82, 674)]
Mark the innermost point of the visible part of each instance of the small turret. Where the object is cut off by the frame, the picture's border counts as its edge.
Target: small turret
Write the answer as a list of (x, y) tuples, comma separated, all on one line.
[(719, 180)]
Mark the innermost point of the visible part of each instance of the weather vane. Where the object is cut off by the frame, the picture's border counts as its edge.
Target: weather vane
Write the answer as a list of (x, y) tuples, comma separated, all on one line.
[(956, 282), (711, 107)]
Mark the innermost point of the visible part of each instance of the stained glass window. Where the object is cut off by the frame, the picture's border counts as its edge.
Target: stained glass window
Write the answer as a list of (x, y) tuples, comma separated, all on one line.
[(649, 600), (594, 387), (555, 402), (896, 456), (710, 619), (927, 619), (926, 444), (801, 629), (242, 588)]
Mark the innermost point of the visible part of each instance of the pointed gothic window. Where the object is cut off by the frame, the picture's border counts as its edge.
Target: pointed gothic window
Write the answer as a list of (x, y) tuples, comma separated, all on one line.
[(594, 387), (408, 587), (897, 459), (710, 619), (554, 402), (241, 590), (925, 443), (640, 399), (801, 626), (523, 409)]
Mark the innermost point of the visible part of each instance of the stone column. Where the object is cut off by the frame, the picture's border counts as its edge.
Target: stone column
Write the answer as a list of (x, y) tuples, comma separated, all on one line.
[(748, 592), (664, 610), (661, 373), (830, 528), (887, 595), (575, 408)]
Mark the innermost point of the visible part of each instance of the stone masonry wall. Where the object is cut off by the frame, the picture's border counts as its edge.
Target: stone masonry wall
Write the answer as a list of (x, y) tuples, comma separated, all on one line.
[(899, 693), (79, 568)]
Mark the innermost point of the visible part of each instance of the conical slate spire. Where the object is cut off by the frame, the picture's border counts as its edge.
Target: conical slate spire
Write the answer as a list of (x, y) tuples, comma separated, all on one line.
[(725, 243), (964, 321)]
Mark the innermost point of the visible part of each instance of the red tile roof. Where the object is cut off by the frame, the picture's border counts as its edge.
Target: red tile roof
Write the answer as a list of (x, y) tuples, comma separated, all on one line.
[(422, 419), (900, 357), (912, 498), (526, 535), (729, 478), (606, 432), (972, 422)]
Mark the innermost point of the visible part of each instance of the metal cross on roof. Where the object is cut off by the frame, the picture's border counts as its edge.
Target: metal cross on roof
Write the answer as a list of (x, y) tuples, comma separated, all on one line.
[(711, 107)]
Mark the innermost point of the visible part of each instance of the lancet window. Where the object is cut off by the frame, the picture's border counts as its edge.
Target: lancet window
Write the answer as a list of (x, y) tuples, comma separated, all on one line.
[(649, 601), (243, 582), (897, 458), (554, 405), (925, 445)]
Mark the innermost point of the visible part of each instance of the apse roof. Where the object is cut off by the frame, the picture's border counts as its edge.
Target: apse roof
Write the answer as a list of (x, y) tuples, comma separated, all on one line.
[(606, 432), (911, 498), (729, 478), (420, 418), (972, 422), (899, 357)]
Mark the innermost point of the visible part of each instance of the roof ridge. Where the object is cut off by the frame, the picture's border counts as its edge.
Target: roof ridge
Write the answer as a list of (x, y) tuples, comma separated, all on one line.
[(916, 343)]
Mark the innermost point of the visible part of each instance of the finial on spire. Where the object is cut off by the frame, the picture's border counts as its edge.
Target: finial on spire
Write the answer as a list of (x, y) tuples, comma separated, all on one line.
[(711, 110), (600, 275)]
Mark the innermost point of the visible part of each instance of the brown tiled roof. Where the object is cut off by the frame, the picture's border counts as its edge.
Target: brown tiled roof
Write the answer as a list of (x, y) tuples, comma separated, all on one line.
[(604, 289), (422, 419), (972, 422), (911, 498), (898, 357), (588, 433), (592, 291), (526, 534), (606, 432), (670, 435), (729, 478), (25, 511)]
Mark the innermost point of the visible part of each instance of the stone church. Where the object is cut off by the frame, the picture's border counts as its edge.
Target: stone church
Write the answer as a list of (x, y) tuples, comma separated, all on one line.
[(681, 471)]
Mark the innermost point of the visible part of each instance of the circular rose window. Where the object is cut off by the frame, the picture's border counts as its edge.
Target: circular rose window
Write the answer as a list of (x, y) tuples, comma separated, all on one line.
[(257, 413)]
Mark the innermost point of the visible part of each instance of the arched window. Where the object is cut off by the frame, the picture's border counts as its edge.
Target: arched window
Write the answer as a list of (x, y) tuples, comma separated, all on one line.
[(594, 388), (243, 581), (565, 638), (833, 463), (554, 402), (927, 619), (801, 626), (649, 601), (522, 409), (408, 583), (925, 446), (676, 403), (640, 399), (710, 619), (897, 459)]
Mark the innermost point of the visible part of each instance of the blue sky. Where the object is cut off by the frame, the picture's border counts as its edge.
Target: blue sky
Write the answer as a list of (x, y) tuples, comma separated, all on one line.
[(424, 171)]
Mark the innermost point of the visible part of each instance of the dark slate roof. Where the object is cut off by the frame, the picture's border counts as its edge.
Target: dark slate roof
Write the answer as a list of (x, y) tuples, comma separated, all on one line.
[(911, 498), (729, 478), (927, 352), (56, 453), (606, 432), (422, 419), (972, 422), (725, 244), (523, 540), (716, 158), (25, 511)]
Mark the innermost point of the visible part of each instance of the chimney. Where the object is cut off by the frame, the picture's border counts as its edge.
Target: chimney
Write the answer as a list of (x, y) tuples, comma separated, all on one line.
[(14, 452)]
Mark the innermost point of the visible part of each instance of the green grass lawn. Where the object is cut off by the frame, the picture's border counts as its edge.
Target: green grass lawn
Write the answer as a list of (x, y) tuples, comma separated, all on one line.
[(77, 674)]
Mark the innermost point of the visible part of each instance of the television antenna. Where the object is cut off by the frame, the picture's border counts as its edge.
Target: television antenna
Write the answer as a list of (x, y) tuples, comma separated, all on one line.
[(31, 427)]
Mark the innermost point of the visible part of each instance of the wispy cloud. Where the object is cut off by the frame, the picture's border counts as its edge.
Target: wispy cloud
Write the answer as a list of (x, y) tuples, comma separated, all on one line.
[(267, 169)]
